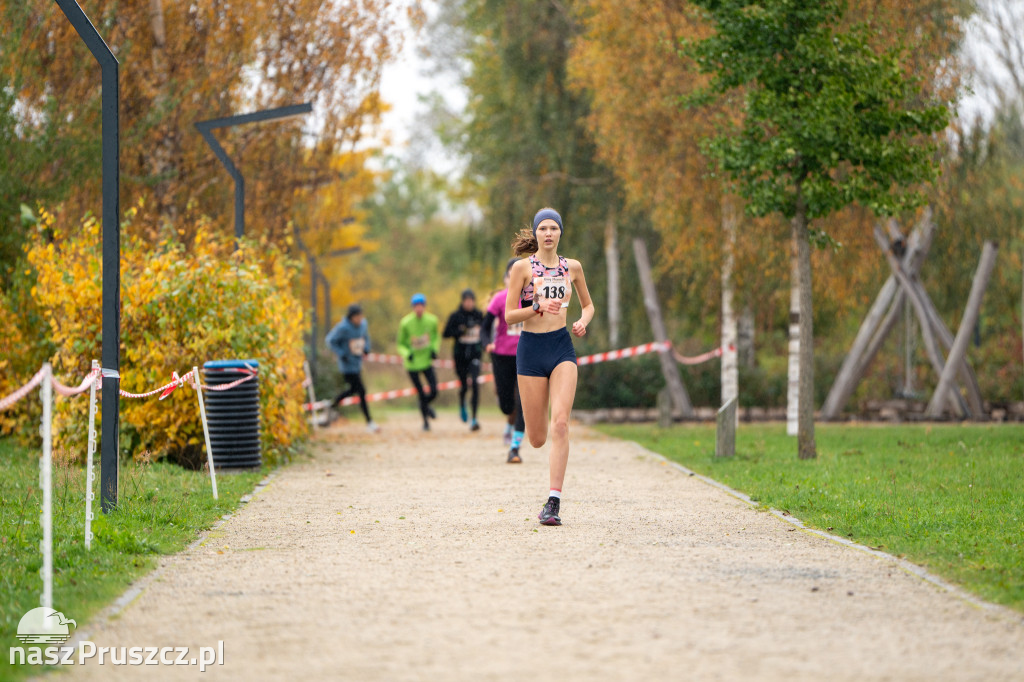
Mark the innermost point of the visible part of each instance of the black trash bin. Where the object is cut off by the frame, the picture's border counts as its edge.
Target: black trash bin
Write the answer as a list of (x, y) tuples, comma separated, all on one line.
[(233, 415)]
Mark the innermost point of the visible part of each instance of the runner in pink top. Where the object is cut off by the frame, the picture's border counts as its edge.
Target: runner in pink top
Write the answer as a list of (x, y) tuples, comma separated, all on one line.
[(502, 342)]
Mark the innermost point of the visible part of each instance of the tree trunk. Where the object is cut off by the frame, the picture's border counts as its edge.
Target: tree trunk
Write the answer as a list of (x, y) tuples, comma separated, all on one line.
[(680, 399), (730, 368), (745, 338), (806, 447), (936, 406), (163, 154), (793, 385), (611, 259)]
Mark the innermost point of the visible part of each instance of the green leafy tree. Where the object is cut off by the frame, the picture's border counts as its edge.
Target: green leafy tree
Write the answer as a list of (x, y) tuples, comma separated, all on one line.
[(828, 121)]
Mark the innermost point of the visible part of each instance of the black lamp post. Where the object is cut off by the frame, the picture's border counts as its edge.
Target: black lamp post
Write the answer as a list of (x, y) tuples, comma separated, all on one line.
[(206, 128), (111, 273)]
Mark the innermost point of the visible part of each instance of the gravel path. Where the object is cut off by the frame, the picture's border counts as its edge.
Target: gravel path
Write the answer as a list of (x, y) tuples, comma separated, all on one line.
[(411, 556)]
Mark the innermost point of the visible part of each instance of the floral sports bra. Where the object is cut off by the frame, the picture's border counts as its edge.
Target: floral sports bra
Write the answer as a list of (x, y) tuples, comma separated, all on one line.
[(539, 270)]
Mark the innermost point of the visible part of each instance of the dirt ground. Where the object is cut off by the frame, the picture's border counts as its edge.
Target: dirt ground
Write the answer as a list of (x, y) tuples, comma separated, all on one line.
[(412, 556)]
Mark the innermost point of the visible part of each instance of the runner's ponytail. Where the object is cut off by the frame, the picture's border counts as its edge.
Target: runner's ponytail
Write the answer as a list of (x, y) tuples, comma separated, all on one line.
[(525, 242)]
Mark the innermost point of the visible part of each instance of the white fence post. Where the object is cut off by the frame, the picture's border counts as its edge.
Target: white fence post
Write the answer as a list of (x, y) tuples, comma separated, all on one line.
[(206, 430), (46, 484), (90, 473)]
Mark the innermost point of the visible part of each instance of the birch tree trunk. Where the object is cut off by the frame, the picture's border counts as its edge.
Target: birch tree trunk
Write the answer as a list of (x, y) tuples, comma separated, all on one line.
[(730, 366), (611, 258), (793, 385), (745, 337), (806, 447)]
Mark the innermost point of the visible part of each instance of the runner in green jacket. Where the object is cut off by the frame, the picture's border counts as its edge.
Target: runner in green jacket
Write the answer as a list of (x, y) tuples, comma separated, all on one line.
[(419, 342)]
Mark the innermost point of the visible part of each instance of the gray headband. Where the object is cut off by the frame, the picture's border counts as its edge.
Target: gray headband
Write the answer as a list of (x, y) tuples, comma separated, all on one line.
[(547, 214)]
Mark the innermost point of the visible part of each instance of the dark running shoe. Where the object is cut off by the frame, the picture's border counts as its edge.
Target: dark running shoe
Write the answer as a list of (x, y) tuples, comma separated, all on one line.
[(431, 413), (475, 426), (549, 514), (426, 426), (513, 456)]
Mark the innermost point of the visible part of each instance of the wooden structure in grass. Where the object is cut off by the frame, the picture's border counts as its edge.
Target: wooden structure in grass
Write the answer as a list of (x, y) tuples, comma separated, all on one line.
[(905, 255)]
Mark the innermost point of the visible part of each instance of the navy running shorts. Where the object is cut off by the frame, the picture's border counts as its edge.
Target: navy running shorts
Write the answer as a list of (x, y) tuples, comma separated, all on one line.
[(539, 354)]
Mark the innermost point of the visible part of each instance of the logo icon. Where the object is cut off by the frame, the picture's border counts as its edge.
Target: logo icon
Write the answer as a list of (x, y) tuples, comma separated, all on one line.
[(43, 625)]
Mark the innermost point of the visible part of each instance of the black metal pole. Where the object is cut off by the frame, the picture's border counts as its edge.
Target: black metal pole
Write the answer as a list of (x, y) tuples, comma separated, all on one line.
[(111, 274), (206, 128), (326, 286)]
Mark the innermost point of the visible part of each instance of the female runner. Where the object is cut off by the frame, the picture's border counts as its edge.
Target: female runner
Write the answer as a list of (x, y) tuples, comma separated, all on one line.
[(539, 291)]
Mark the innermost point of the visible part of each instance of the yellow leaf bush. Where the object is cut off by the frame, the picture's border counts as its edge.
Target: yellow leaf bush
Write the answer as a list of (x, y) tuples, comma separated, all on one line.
[(181, 305)]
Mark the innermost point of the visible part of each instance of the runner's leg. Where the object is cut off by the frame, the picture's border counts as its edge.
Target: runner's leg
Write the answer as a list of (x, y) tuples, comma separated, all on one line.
[(432, 382), (474, 376), (360, 389), (349, 390), (424, 403), (534, 392), (563, 393), (462, 371)]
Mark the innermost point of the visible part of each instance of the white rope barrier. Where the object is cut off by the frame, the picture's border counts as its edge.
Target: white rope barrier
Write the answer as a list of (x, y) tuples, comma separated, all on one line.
[(206, 432), (46, 485), (90, 468)]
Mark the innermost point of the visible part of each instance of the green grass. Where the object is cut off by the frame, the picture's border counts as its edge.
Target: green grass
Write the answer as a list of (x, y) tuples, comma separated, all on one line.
[(947, 497), (161, 509)]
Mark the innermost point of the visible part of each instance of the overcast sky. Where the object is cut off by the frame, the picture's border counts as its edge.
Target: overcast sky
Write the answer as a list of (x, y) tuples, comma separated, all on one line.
[(404, 83)]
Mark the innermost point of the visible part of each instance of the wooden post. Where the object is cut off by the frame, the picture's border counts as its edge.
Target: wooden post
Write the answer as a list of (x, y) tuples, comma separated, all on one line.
[(876, 328), (916, 296), (680, 399), (849, 375), (963, 335)]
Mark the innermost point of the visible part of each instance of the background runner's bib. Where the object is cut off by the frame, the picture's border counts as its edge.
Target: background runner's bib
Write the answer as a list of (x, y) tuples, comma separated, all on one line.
[(357, 346), (514, 329), (470, 336), (420, 342)]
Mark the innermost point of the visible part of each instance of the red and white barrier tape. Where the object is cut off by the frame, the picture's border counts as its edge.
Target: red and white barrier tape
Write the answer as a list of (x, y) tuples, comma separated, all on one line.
[(223, 387), (704, 357), (622, 353), (391, 395), (23, 391), (585, 360), (164, 391), (383, 359), (81, 388)]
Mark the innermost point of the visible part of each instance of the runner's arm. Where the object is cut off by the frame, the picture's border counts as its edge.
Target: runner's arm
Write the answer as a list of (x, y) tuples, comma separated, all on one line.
[(518, 278), (579, 328), (486, 328)]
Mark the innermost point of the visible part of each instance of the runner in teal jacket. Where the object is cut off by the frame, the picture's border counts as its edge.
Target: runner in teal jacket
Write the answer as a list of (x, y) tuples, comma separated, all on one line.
[(419, 341)]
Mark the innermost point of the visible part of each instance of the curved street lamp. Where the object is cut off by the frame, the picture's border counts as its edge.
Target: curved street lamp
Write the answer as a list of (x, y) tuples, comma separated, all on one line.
[(206, 128)]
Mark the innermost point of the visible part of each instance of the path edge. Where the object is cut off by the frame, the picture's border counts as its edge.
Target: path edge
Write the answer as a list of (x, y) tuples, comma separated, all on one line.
[(114, 609), (1003, 612)]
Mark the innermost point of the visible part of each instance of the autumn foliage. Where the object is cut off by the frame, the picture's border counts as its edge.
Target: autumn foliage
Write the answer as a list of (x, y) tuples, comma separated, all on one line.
[(183, 304)]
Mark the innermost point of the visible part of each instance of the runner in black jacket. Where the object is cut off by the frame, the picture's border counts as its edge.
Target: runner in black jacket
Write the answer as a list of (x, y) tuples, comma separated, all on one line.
[(464, 325)]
